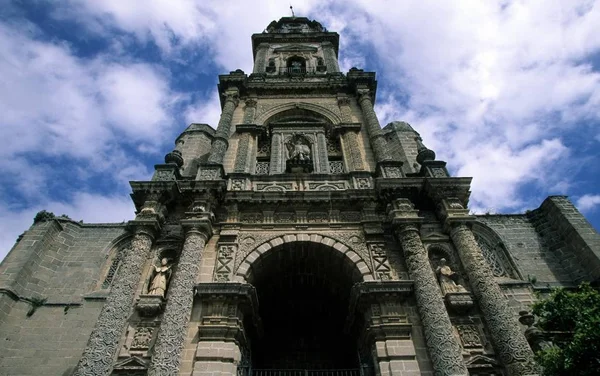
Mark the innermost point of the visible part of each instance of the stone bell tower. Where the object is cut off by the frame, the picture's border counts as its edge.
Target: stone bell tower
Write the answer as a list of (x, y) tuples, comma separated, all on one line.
[(298, 237)]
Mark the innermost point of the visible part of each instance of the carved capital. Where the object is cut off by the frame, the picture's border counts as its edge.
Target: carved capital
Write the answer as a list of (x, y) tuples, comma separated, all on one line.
[(232, 96), (251, 103), (343, 101)]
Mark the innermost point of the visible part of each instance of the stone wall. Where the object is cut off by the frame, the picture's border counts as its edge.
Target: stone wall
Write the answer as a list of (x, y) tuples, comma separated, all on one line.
[(62, 262)]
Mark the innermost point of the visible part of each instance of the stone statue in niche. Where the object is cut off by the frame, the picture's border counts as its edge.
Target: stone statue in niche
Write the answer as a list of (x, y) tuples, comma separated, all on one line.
[(298, 150), (448, 278), (160, 278)]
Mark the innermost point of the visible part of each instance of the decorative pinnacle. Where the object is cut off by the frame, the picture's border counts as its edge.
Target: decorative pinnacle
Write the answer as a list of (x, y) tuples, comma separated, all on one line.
[(292, 9)]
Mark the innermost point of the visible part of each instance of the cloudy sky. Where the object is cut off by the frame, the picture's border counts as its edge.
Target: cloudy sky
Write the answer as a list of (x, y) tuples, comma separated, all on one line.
[(93, 93)]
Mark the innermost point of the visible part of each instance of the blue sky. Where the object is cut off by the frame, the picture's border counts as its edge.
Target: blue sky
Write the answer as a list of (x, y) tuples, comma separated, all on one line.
[(93, 93)]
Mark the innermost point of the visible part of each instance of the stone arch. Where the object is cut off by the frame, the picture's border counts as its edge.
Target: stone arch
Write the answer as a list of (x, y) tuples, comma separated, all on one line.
[(361, 266), (114, 256), (442, 250), (328, 114), (495, 252)]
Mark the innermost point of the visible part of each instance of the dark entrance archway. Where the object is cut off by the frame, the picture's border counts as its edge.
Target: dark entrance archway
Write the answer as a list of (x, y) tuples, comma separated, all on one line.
[(303, 290)]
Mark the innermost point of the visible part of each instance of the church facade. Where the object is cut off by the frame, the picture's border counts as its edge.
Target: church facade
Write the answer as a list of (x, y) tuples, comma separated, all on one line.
[(299, 237)]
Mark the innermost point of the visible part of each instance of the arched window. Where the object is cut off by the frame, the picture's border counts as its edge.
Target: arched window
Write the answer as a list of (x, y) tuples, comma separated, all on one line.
[(296, 65), (263, 155)]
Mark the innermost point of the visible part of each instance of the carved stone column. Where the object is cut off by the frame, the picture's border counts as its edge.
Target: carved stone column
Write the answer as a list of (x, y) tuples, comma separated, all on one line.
[(509, 342), (330, 58), (220, 144), (166, 357), (444, 349), (261, 58), (98, 355), (376, 137)]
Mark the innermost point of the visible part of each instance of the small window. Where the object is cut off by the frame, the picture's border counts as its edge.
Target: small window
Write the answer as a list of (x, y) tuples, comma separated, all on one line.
[(296, 65)]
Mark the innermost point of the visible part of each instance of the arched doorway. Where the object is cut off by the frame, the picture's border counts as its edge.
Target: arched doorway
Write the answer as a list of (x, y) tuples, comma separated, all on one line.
[(303, 291)]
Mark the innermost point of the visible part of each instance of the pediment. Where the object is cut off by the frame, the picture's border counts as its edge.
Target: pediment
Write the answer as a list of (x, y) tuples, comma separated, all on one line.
[(296, 48), (481, 361), (132, 363), (434, 236)]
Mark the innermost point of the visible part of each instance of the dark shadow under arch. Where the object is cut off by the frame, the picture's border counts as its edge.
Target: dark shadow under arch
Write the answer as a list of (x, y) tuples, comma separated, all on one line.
[(303, 290)]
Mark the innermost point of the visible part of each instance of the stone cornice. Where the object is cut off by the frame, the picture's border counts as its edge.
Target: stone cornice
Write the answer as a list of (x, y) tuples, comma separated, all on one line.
[(332, 37)]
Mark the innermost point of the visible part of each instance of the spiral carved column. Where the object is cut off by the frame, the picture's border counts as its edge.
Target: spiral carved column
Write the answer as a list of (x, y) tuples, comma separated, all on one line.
[(219, 144), (509, 342), (376, 137), (97, 357), (166, 357), (444, 349)]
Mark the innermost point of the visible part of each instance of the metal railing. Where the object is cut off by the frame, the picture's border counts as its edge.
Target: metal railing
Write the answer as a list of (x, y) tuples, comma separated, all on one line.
[(242, 371), (296, 70)]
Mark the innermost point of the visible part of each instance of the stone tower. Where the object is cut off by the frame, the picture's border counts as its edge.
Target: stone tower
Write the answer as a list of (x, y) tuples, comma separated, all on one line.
[(298, 236)]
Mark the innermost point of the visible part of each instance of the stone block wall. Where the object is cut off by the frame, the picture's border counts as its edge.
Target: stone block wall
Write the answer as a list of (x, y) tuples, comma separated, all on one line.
[(570, 237), (194, 144), (62, 262), (552, 245), (402, 145)]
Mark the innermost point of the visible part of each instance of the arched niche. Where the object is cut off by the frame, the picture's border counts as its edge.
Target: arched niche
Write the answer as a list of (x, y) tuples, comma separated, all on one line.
[(298, 111)]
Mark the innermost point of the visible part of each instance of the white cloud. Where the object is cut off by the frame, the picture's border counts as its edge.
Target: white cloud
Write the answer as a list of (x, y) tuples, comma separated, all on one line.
[(588, 202), (208, 112)]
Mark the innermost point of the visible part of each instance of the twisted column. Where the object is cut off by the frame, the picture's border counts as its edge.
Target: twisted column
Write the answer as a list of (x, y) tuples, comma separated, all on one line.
[(220, 144), (509, 342), (376, 138), (98, 355), (444, 349), (331, 60), (260, 61), (166, 357)]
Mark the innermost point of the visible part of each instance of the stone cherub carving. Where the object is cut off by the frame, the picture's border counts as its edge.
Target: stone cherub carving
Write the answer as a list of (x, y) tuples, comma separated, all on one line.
[(447, 278), (297, 150), (160, 278)]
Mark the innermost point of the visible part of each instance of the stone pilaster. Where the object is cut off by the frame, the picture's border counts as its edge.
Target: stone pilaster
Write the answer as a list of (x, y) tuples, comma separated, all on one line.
[(277, 162), (376, 137), (249, 111), (321, 149), (510, 344), (442, 345), (220, 144), (166, 357), (350, 136), (260, 60), (241, 159), (99, 353)]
